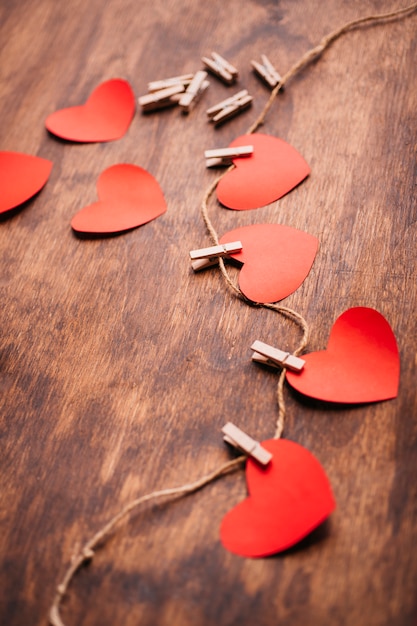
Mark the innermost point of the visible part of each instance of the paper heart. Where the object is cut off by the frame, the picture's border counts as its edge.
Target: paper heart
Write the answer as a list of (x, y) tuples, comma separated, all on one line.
[(105, 116), (272, 171), (361, 362), (276, 259), (129, 196), (21, 177), (287, 499)]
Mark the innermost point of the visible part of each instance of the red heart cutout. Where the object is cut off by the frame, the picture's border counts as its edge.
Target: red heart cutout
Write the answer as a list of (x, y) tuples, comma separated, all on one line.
[(269, 173), (361, 362), (276, 259), (129, 196), (288, 499), (21, 177), (105, 116)]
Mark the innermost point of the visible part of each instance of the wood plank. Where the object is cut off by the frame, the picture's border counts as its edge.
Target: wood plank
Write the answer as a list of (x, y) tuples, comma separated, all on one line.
[(119, 366)]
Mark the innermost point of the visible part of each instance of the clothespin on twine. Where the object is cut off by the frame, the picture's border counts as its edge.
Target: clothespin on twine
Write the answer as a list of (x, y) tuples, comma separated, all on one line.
[(240, 440)]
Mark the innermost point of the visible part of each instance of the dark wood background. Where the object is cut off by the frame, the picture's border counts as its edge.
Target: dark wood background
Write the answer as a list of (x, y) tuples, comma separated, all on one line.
[(119, 365)]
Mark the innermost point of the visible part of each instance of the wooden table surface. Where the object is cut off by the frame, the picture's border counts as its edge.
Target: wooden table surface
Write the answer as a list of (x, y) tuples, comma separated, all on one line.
[(119, 365)]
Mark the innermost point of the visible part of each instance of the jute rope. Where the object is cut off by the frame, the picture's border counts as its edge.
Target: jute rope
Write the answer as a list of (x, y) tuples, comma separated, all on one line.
[(87, 551)]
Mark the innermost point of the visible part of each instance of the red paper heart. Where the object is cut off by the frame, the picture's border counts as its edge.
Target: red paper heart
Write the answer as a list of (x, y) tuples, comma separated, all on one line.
[(288, 499), (128, 197), (105, 116), (276, 259), (273, 170), (361, 363), (21, 177)]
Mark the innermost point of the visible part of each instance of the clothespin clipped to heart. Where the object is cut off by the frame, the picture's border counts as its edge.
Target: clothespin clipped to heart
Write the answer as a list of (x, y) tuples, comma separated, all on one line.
[(266, 71), (230, 107), (240, 440), (206, 257), (266, 354), (220, 157), (221, 68)]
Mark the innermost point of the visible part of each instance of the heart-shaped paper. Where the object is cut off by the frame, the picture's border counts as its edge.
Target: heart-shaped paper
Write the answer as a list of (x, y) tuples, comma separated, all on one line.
[(105, 116), (21, 177), (276, 259), (274, 168), (361, 362), (129, 196), (288, 499)]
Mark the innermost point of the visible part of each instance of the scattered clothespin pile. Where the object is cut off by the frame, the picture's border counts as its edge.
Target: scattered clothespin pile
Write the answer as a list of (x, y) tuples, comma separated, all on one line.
[(179, 90), (230, 107), (266, 71), (221, 68), (157, 85), (185, 90), (162, 98), (194, 91)]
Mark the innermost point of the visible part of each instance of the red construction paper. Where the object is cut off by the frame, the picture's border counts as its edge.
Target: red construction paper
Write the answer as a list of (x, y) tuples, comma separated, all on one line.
[(128, 197), (273, 170), (288, 499), (105, 116), (276, 259), (361, 362), (21, 177)]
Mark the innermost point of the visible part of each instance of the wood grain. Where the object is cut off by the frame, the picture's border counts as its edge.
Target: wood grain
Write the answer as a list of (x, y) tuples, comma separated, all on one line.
[(119, 365)]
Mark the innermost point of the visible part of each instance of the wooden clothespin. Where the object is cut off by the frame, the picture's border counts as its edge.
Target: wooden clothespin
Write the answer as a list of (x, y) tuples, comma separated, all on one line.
[(263, 353), (266, 71), (161, 99), (240, 440), (194, 91), (230, 107), (221, 68), (224, 156), (206, 257), (157, 85)]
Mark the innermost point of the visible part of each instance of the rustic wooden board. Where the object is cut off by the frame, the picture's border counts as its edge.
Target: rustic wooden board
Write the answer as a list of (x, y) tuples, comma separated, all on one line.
[(119, 365)]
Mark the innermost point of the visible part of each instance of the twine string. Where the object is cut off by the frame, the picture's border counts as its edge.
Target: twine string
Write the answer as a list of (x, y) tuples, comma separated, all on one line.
[(88, 550), (318, 50)]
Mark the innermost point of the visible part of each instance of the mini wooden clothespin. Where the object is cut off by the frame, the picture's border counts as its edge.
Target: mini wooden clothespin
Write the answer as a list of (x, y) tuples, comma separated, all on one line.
[(206, 257), (161, 99), (263, 353), (221, 68), (224, 156), (266, 71), (240, 440), (194, 91), (230, 107), (184, 79)]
